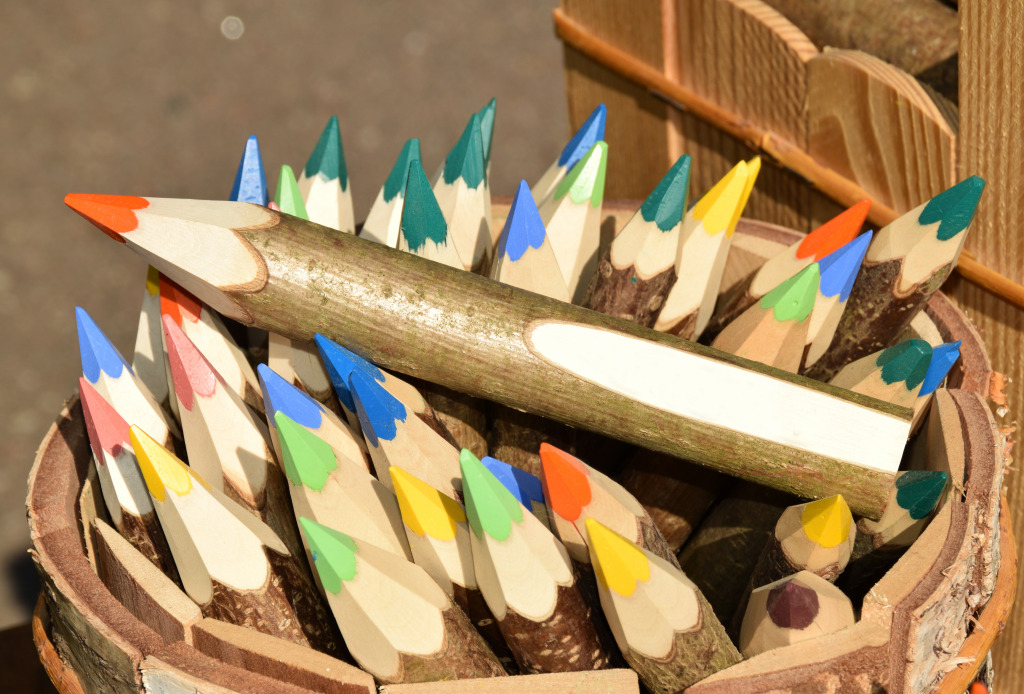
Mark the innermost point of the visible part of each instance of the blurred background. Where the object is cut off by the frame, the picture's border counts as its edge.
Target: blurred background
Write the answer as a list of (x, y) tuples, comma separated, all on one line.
[(157, 98)]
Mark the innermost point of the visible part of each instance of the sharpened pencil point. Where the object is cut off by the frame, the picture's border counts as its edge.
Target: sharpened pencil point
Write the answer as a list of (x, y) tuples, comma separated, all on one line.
[(523, 226), (328, 157), (307, 458), (178, 303), (487, 128), (618, 563), (525, 487), (160, 468), (943, 358), (794, 298), (828, 521), (589, 133), (378, 410), (835, 233), (792, 606), (192, 373), (425, 510), (565, 482), (490, 507), (334, 554), (152, 281), (339, 363), (953, 208), (288, 197), (108, 431), (905, 362), (98, 353), (250, 180), (839, 269), (466, 160), (399, 176), (667, 203), (724, 202), (585, 182), (918, 491), (281, 396), (114, 215), (422, 219)]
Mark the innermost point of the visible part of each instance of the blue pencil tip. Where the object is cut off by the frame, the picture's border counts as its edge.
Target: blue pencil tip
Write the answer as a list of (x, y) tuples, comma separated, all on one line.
[(590, 132), (523, 226), (943, 358), (97, 351), (526, 488), (250, 180), (840, 267), (340, 363), (378, 410), (281, 396)]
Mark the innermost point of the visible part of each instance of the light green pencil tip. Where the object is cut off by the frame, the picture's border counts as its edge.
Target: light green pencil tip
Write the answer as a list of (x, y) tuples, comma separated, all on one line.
[(466, 160), (288, 197), (793, 299), (328, 157), (306, 457), (422, 219), (586, 180), (490, 507), (334, 554)]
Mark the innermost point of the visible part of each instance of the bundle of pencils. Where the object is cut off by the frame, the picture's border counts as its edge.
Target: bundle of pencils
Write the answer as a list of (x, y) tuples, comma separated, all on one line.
[(307, 490)]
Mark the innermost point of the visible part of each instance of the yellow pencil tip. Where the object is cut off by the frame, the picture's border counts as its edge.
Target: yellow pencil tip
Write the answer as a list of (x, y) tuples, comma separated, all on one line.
[(425, 510), (160, 468), (618, 563), (721, 205), (753, 168), (828, 521)]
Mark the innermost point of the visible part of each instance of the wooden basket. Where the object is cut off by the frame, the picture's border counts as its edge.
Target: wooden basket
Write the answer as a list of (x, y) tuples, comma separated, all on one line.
[(928, 623)]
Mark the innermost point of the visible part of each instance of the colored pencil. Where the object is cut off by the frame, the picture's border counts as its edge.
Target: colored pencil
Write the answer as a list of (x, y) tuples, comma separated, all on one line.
[(424, 231), (376, 301), (124, 490), (906, 263), (823, 241), (635, 274), (395, 438), (231, 563), (460, 195), (663, 625), (575, 492), (385, 217), (324, 182), (895, 374), (572, 217), (209, 333), (703, 246), (487, 113), (397, 622), (250, 180), (227, 444), (288, 198), (579, 144), (792, 610), (336, 492), (944, 356), (525, 257), (838, 271), (527, 579), (281, 396), (526, 488), (438, 535), (108, 372), (150, 359), (774, 331)]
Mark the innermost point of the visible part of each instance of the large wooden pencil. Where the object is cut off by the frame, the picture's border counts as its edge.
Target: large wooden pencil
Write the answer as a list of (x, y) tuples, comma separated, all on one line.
[(527, 488), (774, 331), (527, 579), (336, 492), (792, 610), (575, 492), (150, 359), (702, 250), (281, 396), (579, 144), (412, 316), (460, 195), (250, 180), (324, 182), (894, 374), (826, 239), (397, 622), (635, 274), (662, 623), (108, 372), (572, 217), (124, 490), (395, 438), (906, 263), (207, 330), (232, 564), (385, 217), (227, 443)]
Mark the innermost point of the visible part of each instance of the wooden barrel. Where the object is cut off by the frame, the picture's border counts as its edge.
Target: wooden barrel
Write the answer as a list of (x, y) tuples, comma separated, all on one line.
[(105, 624)]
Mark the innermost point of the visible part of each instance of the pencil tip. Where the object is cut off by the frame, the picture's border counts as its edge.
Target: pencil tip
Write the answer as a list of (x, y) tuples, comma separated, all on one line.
[(793, 299), (618, 563), (425, 510), (334, 554), (307, 459), (906, 362), (339, 363), (585, 181), (792, 606), (177, 302), (828, 521), (839, 269), (98, 354), (422, 219), (720, 208), (525, 487), (834, 233), (565, 481), (191, 373), (250, 180), (943, 358), (288, 197), (953, 208), (490, 507), (108, 431), (160, 468), (399, 175), (328, 157), (523, 228), (666, 204), (919, 491), (487, 127), (280, 395), (114, 215), (466, 159), (589, 133), (378, 410)]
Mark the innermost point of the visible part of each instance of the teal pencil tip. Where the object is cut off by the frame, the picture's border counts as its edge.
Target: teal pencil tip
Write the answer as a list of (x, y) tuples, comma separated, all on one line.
[(667, 202), (953, 208), (466, 160), (905, 362), (328, 157), (487, 128), (918, 491), (422, 219), (399, 176)]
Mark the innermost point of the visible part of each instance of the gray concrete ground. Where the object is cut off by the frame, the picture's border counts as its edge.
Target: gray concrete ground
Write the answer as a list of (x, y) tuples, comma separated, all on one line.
[(153, 97)]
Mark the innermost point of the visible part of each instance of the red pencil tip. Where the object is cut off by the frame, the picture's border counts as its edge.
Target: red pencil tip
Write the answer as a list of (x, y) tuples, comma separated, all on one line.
[(178, 303), (835, 233), (565, 482), (191, 372), (108, 431), (112, 214)]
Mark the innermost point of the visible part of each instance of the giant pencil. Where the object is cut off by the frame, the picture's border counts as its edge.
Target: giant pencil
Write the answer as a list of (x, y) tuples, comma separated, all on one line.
[(421, 318)]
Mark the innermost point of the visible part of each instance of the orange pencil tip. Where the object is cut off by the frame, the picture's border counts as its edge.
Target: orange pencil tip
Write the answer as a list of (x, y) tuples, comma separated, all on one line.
[(565, 482), (114, 215), (835, 233)]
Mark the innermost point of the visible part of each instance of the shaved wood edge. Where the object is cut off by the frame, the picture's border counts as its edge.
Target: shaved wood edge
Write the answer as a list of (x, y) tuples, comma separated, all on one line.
[(619, 680)]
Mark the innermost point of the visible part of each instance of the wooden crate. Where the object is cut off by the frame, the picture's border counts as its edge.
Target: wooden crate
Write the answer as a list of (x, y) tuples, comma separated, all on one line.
[(722, 79)]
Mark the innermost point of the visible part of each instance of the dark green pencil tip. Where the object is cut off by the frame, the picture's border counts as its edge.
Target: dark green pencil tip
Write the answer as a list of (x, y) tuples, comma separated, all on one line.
[(328, 157), (487, 128), (466, 160), (907, 361), (422, 219), (667, 202), (918, 491), (399, 175), (953, 208)]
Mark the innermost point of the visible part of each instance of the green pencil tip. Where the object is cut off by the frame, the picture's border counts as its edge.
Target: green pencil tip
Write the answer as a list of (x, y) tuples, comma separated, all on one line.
[(490, 507), (328, 157), (306, 457), (907, 361), (487, 128), (793, 299), (953, 208), (466, 160), (586, 180), (918, 491), (667, 202), (334, 554), (399, 175), (422, 219), (288, 197)]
